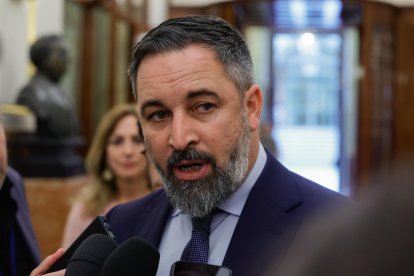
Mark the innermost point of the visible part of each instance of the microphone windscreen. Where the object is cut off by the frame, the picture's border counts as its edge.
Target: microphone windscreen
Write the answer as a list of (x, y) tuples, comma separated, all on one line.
[(133, 257), (91, 254)]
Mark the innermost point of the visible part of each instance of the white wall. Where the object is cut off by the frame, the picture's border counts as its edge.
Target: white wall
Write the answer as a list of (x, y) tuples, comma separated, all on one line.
[(13, 54), (50, 15), (14, 45), (157, 11)]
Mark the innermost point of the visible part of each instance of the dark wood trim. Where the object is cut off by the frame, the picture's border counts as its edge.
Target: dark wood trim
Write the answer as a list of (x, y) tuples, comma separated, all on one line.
[(374, 127), (403, 135), (87, 72), (112, 54)]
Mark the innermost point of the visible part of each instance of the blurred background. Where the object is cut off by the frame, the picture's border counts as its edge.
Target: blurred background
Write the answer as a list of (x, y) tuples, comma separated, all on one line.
[(337, 76)]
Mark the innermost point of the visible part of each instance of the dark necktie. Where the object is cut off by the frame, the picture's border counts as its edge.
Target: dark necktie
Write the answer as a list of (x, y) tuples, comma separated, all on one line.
[(196, 249)]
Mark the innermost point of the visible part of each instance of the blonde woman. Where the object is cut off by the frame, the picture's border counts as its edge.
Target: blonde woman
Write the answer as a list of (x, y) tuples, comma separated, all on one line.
[(118, 167)]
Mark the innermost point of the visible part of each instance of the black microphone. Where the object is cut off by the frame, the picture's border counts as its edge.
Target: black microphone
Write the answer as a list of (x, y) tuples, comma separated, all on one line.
[(133, 257), (91, 254), (182, 268), (98, 226)]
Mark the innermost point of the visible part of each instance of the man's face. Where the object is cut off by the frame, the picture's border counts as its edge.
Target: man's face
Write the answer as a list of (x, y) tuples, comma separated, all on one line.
[(197, 129), (3, 156)]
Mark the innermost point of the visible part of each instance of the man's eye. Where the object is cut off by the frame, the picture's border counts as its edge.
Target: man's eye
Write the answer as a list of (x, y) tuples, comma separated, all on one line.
[(204, 107), (158, 116)]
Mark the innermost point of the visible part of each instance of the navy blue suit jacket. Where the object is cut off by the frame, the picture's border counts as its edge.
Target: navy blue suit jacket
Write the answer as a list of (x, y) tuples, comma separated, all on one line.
[(18, 193), (277, 204)]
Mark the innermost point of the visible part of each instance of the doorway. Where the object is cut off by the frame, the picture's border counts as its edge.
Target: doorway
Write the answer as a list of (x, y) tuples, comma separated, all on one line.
[(306, 103)]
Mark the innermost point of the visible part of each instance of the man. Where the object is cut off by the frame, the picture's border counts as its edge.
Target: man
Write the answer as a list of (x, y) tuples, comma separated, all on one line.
[(199, 111), (19, 251)]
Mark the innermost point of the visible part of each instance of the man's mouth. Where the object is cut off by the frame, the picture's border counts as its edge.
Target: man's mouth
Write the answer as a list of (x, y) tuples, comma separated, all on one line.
[(191, 169)]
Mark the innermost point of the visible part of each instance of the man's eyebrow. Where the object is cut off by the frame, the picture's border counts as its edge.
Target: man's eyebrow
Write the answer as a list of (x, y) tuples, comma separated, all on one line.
[(201, 92), (151, 103), (190, 95)]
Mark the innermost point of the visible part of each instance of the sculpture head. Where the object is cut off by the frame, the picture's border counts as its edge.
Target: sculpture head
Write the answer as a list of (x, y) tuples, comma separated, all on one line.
[(50, 56)]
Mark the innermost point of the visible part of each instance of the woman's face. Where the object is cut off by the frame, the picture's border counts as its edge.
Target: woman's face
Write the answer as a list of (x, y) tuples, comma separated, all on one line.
[(125, 150)]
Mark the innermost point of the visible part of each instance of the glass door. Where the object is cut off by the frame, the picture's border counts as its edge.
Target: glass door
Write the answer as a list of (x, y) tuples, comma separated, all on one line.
[(306, 105)]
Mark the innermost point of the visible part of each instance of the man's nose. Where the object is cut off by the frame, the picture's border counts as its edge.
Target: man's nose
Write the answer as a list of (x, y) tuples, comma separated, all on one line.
[(183, 132)]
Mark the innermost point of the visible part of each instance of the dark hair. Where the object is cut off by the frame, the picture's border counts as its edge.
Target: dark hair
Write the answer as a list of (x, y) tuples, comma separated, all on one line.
[(175, 34)]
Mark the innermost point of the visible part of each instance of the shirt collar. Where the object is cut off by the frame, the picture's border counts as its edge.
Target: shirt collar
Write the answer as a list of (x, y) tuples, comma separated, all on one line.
[(235, 203)]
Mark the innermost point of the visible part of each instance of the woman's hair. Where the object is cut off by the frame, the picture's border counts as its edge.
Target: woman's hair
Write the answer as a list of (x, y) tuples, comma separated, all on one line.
[(97, 194)]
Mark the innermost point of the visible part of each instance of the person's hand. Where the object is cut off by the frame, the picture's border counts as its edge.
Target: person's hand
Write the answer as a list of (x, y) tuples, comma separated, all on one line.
[(47, 263)]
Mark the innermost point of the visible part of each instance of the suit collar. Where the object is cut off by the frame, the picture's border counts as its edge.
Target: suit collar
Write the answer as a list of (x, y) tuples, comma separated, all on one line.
[(235, 203), (264, 224), (150, 225)]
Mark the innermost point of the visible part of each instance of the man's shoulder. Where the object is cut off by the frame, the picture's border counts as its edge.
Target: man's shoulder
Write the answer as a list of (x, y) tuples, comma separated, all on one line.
[(316, 200), (310, 187), (291, 190), (140, 217), (130, 210), (14, 177)]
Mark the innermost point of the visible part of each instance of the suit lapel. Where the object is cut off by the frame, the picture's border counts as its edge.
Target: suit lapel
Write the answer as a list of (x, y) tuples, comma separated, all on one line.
[(264, 229), (150, 225), (22, 216)]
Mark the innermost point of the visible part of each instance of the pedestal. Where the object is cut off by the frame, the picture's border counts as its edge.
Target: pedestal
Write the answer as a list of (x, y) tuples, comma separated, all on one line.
[(34, 156)]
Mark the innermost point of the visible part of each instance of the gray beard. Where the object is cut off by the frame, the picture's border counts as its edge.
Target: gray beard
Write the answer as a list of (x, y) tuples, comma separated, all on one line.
[(198, 198)]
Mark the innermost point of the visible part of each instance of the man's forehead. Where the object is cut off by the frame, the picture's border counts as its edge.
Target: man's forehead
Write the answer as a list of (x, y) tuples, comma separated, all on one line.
[(190, 52)]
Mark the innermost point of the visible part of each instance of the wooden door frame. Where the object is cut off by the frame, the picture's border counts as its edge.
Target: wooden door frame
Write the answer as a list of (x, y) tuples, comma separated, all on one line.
[(87, 57)]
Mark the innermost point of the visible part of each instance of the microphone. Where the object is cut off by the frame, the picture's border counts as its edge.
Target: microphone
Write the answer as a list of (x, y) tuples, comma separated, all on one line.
[(133, 257), (89, 257), (181, 268), (98, 226)]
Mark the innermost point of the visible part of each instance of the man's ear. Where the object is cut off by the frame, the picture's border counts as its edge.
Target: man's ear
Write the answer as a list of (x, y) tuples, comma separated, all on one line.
[(253, 101)]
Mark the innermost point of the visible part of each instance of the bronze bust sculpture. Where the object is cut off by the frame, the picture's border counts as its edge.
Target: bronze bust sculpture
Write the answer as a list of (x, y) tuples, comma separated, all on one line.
[(54, 110), (52, 150)]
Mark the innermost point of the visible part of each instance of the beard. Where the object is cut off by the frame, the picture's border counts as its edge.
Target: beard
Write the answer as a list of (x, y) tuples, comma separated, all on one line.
[(198, 198)]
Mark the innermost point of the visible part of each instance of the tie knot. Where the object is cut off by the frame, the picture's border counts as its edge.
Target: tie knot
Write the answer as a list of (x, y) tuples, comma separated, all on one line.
[(202, 224)]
